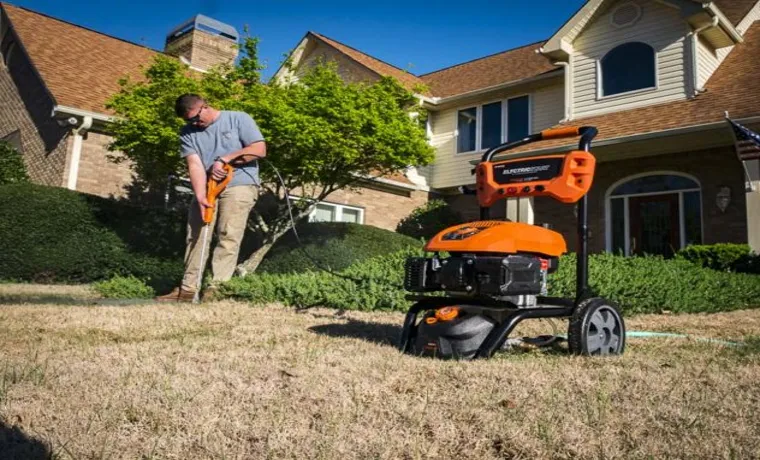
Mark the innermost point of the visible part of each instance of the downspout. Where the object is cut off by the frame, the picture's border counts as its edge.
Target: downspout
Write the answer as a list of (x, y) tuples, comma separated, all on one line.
[(568, 83), (694, 53), (76, 151)]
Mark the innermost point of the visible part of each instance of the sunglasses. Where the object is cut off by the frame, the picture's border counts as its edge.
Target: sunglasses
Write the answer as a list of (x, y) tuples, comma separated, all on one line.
[(196, 118)]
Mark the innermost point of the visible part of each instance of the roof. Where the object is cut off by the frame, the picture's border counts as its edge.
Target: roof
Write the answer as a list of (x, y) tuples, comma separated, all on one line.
[(734, 87), (734, 10), (407, 79), (80, 67), (507, 66)]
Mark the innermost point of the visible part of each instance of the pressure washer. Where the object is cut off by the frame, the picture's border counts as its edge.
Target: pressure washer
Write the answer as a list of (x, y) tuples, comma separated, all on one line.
[(496, 272)]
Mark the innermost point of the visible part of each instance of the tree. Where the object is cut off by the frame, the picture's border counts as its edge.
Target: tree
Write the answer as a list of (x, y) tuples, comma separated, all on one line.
[(323, 134)]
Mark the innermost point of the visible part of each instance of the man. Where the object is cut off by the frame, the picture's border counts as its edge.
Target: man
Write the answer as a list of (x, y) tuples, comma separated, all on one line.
[(210, 139)]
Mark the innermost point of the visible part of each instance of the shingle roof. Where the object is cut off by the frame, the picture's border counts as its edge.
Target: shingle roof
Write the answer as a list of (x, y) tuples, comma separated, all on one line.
[(504, 67), (80, 67), (407, 79), (734, 87), (735, 10)]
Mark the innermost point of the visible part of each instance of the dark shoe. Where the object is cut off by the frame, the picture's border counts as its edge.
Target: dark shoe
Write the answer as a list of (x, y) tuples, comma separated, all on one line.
[(177, 295)]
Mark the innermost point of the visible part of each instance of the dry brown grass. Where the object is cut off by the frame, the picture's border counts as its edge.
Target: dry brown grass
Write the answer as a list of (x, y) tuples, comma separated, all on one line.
[(227, 380)]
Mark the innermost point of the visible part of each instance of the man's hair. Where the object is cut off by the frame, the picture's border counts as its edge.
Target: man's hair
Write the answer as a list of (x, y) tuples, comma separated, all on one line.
[(186, 102)]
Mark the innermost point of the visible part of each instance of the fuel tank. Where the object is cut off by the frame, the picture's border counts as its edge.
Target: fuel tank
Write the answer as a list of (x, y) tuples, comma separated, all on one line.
[(500, 237)]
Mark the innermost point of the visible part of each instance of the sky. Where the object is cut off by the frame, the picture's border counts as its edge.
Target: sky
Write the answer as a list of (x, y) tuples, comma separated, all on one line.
[(417, 36)]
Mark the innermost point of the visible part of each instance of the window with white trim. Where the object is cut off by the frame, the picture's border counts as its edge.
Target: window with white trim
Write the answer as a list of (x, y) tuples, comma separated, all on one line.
[(488, 125), (628, 67), (331, 212)]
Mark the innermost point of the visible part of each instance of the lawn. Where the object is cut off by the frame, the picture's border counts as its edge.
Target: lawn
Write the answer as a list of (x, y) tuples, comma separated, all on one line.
[(228, 380)]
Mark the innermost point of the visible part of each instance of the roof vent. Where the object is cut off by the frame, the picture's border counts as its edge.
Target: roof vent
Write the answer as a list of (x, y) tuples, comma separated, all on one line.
[(625, 14)]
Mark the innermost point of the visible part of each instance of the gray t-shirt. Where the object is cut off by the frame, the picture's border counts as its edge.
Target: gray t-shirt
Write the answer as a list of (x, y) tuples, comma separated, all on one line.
[(230, 132)]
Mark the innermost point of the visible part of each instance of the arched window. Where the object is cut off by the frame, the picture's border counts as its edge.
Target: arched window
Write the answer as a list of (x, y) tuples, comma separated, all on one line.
[(656, 213), (628, 67)]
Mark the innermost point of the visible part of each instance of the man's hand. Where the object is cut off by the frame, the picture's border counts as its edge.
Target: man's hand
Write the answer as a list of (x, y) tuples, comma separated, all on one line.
[(217, 171), (202, 203)]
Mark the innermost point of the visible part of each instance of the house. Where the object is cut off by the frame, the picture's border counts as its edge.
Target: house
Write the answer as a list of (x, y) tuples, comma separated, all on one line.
[(55, 79), (656, 77)]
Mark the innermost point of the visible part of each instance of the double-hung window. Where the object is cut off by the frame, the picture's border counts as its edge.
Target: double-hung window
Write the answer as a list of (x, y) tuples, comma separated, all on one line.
[(488, 125)]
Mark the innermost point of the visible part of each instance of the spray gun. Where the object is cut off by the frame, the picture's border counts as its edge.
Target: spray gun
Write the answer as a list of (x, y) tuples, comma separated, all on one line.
[(213, 190)]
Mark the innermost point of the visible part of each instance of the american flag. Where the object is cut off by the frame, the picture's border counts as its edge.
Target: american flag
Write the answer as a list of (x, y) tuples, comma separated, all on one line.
[(747, 142)]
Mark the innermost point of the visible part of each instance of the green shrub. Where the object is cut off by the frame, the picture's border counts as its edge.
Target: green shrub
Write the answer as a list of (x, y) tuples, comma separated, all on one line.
[(638, 284), (12, 168), (123, 287), (429, 219), (722, 256), (334, 245), (51, 234)]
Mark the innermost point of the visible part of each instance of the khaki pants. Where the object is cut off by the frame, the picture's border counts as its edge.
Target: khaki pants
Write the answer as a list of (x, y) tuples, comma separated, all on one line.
[(232, 209)]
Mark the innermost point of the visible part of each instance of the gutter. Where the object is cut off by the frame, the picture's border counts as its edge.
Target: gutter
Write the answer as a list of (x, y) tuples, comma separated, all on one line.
[(477, 92), (727, 25), (694, 53), (626, 139), (568, 85), (76, 151), (65, 110)]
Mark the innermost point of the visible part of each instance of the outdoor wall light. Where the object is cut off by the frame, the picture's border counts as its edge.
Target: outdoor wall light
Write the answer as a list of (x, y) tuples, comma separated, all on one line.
[(723, 198)]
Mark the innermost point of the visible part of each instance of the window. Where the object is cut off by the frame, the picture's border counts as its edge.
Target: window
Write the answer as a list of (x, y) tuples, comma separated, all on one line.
[(654, 214), (488, 125), (329, 212), (628, 67)]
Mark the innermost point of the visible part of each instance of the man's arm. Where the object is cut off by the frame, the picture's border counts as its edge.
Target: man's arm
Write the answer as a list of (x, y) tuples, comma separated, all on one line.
[(197, 179)]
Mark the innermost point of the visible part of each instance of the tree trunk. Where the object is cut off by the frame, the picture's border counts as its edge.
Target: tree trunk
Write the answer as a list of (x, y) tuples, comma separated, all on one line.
[(252, 263)]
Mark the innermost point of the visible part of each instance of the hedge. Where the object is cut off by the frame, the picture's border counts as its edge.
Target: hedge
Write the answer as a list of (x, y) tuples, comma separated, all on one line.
[(638, 284), (334, 245), (56, 235), (429, 219), (722, 256), (12, 168)]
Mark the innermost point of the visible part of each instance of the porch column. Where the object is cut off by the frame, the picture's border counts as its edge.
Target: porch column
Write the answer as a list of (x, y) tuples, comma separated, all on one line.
[(753, 205)]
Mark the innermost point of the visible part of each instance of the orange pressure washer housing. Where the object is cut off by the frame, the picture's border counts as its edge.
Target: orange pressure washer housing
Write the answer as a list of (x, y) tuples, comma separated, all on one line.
[(496, 272)]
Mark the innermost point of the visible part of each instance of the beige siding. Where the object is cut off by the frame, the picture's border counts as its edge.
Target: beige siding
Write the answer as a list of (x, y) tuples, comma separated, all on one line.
[(752, 16), (659, 26), (708, 61), (348, 69), (452, 169)]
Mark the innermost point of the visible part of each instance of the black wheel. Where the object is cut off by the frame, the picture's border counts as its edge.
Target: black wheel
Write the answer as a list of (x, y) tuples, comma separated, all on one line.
[(596, 329)]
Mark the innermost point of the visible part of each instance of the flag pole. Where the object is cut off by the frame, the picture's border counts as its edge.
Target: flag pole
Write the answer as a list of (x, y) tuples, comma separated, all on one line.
[(749, 186)]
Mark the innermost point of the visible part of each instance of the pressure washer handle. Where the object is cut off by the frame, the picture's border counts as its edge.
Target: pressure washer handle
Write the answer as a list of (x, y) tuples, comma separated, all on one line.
[(587, 134), (213, 190)]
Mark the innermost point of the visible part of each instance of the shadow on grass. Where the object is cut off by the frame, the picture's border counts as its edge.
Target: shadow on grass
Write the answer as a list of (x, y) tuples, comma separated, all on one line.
[(378, 333), (67, 300), (15, 444)]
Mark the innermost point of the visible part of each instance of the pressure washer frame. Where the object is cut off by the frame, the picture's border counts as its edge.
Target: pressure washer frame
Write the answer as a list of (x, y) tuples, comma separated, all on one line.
[(560, 307)]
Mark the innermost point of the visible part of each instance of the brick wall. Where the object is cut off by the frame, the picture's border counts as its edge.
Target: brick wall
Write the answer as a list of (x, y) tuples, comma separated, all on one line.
[(203, 49), (382, 208), (713, 168), (25, 105), (97, 174)]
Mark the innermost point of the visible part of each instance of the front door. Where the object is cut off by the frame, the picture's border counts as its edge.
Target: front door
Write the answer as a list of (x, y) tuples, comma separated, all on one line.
[(654, 224)]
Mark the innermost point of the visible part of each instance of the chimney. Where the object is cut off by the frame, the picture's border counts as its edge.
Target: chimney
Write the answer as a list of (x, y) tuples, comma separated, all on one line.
[(203, 42)]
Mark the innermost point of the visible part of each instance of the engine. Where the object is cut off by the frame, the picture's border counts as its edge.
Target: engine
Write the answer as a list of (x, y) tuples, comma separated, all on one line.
[(515, 278)]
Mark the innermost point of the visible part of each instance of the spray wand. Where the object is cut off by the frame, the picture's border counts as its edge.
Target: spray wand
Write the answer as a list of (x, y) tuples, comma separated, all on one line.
[(213, 190)]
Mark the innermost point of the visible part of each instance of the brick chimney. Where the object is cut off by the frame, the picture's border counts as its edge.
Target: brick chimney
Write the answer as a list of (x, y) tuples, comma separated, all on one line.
[(203, 42)]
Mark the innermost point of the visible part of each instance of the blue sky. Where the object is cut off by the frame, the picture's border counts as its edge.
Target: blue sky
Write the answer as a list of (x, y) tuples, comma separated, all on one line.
[(419, 36)]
